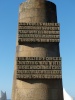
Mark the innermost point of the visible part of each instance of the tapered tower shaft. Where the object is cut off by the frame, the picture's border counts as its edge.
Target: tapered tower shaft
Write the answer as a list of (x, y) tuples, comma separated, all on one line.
[(37, 72)]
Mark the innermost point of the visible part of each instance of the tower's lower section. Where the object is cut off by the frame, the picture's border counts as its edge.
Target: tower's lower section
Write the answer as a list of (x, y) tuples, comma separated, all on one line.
[(46, 82), (38, 90)]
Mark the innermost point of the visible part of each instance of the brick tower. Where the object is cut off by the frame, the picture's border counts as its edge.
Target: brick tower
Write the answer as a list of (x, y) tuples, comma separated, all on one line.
[(37, 71)]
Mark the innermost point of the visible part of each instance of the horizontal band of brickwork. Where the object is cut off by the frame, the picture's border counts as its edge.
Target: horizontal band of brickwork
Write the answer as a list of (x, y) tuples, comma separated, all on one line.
[(39, 24), (39, 58), (23, 40), (50, 72), (38, 76), (39, 67), (46, 32)]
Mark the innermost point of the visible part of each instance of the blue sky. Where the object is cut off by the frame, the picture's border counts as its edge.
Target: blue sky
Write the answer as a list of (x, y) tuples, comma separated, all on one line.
[(8, 30)]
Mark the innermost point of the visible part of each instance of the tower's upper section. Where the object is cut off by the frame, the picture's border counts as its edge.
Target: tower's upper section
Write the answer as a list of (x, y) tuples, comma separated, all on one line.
[(36, 1), (37, 11)]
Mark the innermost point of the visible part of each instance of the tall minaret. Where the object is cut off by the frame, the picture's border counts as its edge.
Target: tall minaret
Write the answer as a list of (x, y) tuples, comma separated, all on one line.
[(37, 71)]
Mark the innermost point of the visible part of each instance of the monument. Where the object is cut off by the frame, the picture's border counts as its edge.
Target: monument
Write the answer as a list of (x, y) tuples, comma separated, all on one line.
[(37, 71)]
